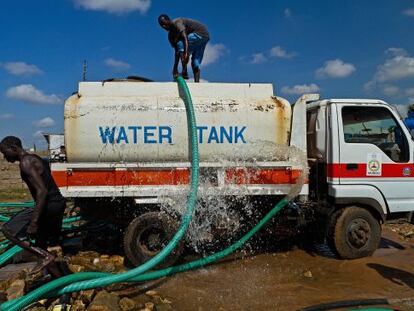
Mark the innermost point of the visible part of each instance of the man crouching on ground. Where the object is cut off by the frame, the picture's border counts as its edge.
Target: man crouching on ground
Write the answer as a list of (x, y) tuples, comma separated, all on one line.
[(42, 223)]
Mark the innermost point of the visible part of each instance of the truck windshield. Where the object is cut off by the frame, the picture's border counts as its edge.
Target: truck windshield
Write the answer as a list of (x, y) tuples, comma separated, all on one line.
[(375, 125)]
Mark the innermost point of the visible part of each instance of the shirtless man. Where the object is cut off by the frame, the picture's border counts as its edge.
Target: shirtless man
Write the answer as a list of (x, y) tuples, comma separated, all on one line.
[(188, 37), (43, 223)]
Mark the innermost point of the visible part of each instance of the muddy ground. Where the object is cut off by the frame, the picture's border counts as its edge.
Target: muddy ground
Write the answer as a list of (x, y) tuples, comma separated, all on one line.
[(277, 279), (295, 279)]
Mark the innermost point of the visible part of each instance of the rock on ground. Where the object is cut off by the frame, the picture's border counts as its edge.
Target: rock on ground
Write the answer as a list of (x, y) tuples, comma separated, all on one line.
[(105, 301), (16, 289)]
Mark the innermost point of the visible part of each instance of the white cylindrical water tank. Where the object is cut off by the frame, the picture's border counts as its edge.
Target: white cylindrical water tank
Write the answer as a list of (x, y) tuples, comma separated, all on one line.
[(146, 122)]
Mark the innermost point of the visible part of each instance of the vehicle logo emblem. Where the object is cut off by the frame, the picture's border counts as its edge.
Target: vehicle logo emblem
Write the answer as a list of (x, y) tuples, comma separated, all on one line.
[(374, 165), (407, 171)]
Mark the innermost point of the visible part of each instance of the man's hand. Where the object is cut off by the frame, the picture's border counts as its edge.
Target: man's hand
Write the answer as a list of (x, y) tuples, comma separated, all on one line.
[(32, 230), (185, 58)]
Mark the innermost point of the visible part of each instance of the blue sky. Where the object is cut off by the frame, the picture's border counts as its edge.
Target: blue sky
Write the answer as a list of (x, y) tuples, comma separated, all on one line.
[(350, 48)]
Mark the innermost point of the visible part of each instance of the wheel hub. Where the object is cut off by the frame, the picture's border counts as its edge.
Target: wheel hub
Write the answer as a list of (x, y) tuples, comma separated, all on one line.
[(152, 240), (359, 233)]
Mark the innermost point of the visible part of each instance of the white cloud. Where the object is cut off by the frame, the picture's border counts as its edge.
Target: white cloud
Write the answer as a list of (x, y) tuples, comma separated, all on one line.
[(21, 68), (115, 6), (369, 86), (301, 89), (409, 12), (6, 116), (44, 123), (391, 90), (396, 52), (399, 66), (278, 51), (287, 12), (258, 58), (28, 93), (263, 57), (117, 65), (335, 68), (213, 53)]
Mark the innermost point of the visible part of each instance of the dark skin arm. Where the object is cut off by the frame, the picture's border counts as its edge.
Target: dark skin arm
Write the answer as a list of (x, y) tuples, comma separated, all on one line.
[(33, 168), (176, 60), (185, 54)]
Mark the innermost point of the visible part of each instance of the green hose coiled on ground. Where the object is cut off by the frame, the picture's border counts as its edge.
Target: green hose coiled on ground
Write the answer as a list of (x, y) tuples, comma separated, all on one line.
[(185, 222)]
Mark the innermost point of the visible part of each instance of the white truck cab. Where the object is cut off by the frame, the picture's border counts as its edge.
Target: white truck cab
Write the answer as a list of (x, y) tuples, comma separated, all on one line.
[(361, 159)]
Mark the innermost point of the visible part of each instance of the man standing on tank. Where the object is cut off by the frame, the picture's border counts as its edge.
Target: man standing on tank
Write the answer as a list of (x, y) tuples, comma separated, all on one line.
[(43, 223), (187, 37)]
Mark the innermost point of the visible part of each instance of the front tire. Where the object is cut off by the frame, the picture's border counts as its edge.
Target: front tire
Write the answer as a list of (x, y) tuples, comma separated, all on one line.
[(353, 233), (147, 235)]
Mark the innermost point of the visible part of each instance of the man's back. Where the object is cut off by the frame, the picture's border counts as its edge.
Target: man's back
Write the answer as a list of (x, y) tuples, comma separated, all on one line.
[(191, 26), (43, 169), (188, 25)]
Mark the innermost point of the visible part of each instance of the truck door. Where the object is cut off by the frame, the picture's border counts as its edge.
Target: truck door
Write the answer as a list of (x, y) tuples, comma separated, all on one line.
[(374, 150)]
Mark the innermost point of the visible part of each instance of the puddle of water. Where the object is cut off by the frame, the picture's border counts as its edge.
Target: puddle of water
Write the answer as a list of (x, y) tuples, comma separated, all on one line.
[(277, 281)]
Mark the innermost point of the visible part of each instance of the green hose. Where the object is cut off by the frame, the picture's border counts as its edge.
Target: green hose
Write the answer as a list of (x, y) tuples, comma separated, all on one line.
[(4, 246), (4, 218), (65, 221), (185, 222), (9, 254), (16, 204)]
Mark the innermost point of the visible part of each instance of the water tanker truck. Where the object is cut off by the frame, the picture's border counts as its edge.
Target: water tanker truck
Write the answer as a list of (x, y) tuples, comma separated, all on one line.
[(127, 161)]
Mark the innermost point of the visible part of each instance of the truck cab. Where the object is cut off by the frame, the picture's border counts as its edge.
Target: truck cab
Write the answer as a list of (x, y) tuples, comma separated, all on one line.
[(361, 169)]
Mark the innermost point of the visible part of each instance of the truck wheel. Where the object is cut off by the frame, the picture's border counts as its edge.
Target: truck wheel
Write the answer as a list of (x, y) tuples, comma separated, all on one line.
[(148, 234), (353, 233)]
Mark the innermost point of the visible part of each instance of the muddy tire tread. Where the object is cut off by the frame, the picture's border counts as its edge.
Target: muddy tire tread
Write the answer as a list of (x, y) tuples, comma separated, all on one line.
[(342, 249), (136, 227), (330, 235)]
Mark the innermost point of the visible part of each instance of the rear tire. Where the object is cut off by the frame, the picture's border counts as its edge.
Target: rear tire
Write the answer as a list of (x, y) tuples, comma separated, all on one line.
[(147, 235), (353, 232)]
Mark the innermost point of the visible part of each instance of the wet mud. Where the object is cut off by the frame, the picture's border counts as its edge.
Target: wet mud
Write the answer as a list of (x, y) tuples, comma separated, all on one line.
[(291, 280), (275, 277)]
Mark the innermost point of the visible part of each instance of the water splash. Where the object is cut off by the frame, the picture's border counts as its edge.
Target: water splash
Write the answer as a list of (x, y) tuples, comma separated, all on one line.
[(221, 215)]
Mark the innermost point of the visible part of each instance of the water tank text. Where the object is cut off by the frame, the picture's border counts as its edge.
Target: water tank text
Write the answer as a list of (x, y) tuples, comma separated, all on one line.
[(164, 134)]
